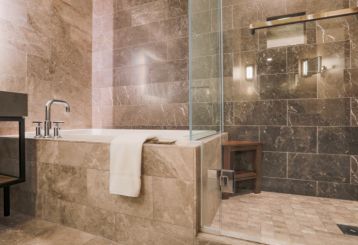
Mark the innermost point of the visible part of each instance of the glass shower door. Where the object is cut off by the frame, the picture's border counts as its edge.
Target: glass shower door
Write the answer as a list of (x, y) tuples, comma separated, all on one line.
[(206, 102), (205, 69)]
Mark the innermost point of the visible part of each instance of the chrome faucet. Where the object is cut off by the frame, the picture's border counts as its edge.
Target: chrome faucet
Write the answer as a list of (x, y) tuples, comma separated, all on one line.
[(47, 123)]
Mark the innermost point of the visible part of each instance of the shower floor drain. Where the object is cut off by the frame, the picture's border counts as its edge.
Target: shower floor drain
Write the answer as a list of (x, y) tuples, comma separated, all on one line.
[(349, 230)]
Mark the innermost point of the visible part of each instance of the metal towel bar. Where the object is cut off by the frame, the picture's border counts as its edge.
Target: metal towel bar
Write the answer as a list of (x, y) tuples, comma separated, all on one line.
[(302, 19)]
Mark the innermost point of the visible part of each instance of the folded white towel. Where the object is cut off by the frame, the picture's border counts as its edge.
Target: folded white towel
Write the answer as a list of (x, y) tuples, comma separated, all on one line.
[(126, 163)]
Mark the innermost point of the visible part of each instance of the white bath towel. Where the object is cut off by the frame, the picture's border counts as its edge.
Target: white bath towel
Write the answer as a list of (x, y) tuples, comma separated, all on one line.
[(126, 163)]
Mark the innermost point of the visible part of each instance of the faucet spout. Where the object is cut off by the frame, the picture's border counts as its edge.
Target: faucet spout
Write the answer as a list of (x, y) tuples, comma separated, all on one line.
[(54, 101), (47, 124)]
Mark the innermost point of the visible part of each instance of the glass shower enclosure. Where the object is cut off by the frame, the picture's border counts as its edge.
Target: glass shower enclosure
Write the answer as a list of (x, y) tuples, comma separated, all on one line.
[(205, 68), (206, 101), (283, 73)]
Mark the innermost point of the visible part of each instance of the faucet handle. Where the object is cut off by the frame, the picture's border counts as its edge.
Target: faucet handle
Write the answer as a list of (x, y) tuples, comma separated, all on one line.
[(56, 129), (37, 129), (57, 123)]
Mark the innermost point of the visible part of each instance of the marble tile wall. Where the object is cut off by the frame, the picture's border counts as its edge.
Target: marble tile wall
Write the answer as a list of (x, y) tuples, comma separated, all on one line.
[(308, 124), (140, 64), (72, 189), (46, 52)]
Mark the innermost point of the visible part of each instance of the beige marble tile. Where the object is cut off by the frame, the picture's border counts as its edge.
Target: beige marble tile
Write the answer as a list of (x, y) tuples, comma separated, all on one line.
[(49, 208), (169, 161), (73, 215), (141, 57), (99, 196), (98, 189), (22, 229), (303, 220), (209, 239), (101, 241), (61, 235), (63, 182), (92, 220), (13, 236), (12, 62), (101, 7), (174, 201), (151, 232), (83, 155), (46, 151), (35, 35), (75, 192), (27, 224)]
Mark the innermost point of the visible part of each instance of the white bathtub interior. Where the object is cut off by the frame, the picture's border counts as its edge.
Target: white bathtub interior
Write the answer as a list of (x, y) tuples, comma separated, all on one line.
[(107, 135)]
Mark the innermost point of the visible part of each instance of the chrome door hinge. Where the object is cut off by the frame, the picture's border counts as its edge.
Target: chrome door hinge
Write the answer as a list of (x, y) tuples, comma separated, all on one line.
[(227, 181), (225, 178)]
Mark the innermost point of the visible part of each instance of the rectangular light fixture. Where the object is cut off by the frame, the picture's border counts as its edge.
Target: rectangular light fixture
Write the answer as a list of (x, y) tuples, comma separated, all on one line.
[(305, 68), (249, 72), (311, 66)]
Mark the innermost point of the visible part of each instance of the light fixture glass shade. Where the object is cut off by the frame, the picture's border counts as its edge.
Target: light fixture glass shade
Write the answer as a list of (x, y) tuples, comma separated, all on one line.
[(249, 72)]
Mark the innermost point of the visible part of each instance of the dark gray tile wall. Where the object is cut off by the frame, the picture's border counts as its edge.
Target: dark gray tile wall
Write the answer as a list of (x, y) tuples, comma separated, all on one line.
[(309, 125)]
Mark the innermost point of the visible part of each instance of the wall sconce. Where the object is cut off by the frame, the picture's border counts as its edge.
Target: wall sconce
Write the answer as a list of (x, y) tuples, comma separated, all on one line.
[(249, 72), (305, 68), (311, 66)]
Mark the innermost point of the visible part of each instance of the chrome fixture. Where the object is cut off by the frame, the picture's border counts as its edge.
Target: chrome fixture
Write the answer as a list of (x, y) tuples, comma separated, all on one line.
[(225, 178), (300, 18), (47, 123), (56, 129), (38, 129)]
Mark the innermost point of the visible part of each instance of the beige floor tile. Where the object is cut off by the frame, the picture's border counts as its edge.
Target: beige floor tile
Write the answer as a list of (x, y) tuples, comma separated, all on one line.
[(25, 230), (276, 218), (26, 224), (62, 235), (100, 241), (13, 236)]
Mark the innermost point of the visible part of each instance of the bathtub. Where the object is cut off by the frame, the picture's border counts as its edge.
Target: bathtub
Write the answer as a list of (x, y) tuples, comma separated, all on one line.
[(67, 182), (106, 135)]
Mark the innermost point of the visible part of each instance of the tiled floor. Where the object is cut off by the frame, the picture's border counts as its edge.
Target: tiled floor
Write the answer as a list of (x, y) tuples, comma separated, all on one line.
[(24, 230), (269, 218), (208, 239), (274, 218), (19, 229)]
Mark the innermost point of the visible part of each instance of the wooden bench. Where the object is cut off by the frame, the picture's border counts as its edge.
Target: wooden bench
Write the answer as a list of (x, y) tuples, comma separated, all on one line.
[(230, 147)]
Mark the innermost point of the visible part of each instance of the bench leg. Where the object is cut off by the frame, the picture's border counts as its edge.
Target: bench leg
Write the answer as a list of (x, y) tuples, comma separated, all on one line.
[(7, 201), (257, 186), (258, 159)]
